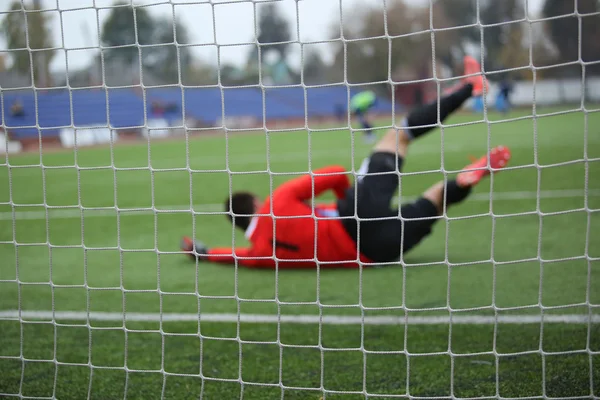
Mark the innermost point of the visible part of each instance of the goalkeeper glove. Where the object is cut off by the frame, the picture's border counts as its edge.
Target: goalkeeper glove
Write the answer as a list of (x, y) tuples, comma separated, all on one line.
[(195, 248)]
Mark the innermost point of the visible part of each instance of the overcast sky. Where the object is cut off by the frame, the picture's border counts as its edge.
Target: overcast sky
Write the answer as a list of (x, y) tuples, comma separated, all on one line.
[(75, 23)]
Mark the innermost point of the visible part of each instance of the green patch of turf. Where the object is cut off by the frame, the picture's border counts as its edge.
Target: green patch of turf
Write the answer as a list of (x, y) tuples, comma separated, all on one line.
[(516, 254), (192, 363)]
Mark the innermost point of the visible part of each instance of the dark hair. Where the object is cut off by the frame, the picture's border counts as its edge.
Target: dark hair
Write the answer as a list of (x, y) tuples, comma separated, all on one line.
[(242, 207)]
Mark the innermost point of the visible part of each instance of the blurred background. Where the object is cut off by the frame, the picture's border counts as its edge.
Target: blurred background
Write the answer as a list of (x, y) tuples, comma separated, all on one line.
[(89, 237), (204, 65)]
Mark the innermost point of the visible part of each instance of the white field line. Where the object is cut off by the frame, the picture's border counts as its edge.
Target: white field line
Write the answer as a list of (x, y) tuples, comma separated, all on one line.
[(75, 211), (300, 319)]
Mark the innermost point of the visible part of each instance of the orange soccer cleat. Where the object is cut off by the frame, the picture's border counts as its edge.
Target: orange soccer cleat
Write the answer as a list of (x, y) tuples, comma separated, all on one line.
[(473, 173), (474, 76)]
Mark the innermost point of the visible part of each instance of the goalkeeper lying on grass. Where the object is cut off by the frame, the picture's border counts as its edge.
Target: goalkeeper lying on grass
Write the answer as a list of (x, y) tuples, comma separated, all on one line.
[(379, 233)]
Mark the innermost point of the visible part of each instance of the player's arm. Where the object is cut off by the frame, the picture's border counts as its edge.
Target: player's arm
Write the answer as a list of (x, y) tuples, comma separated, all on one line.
[(256, 256), (322, 179)]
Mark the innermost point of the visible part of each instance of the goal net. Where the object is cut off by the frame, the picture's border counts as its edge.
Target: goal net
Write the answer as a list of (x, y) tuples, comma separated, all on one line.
[(125, 126)]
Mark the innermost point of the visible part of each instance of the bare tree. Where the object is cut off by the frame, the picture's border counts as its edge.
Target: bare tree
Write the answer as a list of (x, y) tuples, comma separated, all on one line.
[(29, 38), (563, 29)]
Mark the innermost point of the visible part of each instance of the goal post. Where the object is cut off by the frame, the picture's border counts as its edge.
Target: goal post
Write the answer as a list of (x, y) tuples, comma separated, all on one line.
[(127, 125)]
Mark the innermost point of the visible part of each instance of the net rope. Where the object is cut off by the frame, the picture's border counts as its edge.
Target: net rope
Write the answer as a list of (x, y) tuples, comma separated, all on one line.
[(86, 317)]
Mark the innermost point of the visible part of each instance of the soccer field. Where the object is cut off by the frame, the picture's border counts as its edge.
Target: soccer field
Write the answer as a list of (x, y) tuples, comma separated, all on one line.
[(496, 302)]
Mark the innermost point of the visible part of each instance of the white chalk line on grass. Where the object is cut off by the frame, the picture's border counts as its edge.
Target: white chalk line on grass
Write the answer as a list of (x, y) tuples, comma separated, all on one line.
[(75, 212), (301, 319)]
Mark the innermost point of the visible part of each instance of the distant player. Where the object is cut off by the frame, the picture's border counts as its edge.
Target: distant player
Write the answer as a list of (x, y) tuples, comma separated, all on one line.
[(505, 88), (17, 109), (360, 104), (334, 237)]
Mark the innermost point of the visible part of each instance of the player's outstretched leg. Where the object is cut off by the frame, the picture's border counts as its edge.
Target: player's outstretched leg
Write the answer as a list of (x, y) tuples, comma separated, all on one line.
[(423, 120), (369, 135), (458, 189), (420, 216)]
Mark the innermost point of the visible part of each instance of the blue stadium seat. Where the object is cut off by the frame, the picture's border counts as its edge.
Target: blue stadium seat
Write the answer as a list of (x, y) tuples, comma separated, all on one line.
[(58, 108)]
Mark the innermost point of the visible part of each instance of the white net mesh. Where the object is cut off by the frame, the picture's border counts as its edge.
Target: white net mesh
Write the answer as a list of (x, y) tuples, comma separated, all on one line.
[(125, 125)]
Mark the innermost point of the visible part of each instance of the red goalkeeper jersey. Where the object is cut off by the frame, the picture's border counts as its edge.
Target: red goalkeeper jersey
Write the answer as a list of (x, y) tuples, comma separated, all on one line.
[(286, 234)]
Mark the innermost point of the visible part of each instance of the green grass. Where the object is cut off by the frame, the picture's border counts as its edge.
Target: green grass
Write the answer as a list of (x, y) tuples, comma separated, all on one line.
[(546, 253)]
